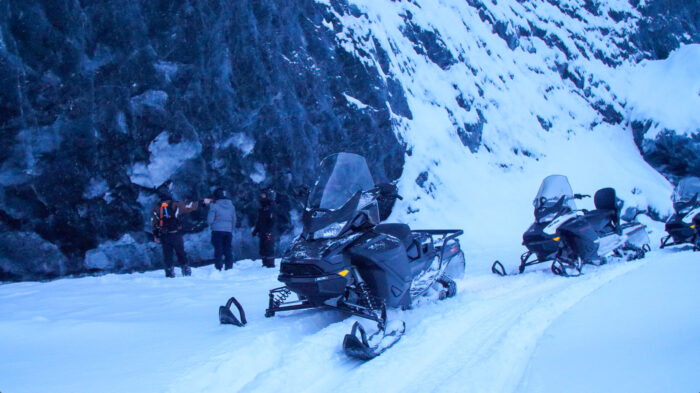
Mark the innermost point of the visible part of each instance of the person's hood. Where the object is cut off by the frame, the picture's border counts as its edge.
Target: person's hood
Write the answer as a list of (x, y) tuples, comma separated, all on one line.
[(224, 202)]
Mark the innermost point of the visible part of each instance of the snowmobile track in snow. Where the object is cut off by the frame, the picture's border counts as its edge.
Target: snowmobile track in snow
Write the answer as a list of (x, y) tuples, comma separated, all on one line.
[(492, 331)]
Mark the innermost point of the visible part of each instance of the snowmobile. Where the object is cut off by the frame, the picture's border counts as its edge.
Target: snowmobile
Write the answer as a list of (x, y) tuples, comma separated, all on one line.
[(346, 260), (549, 205), (591, 237), (682, 227)]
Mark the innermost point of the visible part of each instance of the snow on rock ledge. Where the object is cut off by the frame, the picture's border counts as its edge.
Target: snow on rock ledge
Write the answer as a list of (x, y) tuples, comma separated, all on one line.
[(164, 161)]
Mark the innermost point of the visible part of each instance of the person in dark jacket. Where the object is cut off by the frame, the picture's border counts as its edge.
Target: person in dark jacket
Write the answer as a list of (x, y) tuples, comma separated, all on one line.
[(167, 230), (222, 220), (264, 227)]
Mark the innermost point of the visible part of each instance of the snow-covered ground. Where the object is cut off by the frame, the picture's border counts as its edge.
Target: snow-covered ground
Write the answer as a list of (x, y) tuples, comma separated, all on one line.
[(621, 327)]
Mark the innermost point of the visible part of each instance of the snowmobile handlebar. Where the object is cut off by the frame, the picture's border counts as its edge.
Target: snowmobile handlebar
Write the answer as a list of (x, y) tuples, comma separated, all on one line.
[(581, 196)]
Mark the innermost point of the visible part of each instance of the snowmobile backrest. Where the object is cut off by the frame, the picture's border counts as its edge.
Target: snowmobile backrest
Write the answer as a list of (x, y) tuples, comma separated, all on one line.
[(605, 199)]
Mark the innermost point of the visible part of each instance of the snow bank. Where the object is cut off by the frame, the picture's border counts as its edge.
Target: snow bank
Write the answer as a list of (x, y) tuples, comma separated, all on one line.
[(666, 91)]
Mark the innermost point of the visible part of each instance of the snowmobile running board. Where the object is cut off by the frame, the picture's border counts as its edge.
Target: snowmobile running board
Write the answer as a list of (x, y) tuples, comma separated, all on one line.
[(497, 267), (665, 242), (226, 317), (278, 303)]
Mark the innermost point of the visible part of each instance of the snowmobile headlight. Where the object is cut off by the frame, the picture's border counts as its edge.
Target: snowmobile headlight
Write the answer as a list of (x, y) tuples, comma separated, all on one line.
[(330, 231), (549, 217)]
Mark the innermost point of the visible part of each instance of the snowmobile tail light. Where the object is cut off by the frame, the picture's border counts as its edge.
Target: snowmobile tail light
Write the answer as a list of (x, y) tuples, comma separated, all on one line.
[(343, 273), (692, 226), (556, 239)]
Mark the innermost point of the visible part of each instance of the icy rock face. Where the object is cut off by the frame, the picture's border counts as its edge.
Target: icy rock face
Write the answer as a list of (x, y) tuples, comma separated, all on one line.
[(25, 255), (123, 255), (101, 101)]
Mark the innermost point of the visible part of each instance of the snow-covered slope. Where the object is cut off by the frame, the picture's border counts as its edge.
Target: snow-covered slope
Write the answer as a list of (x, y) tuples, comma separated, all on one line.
[(146, 333), (502, 94)]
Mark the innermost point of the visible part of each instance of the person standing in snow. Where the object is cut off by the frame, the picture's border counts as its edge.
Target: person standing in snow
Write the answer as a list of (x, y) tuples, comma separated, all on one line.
[(264, 227), (167, 229), (222, 220)]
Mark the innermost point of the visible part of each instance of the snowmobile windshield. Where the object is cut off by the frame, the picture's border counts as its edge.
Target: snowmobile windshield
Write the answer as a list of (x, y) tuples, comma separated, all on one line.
[(341, 176), (551, 190), (686, 189)]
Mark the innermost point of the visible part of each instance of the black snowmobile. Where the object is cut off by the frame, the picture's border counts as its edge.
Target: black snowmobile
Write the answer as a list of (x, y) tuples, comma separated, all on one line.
[(549, 205), (345, 260), (596, 235), (682, 227)]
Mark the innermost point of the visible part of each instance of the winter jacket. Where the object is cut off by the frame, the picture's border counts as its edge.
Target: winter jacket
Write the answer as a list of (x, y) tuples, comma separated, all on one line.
[(265, 222), (222, 216), (168, 213)]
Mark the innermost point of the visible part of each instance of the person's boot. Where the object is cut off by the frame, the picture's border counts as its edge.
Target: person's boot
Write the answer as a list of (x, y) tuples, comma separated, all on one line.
[(218, 266), (268, 262), (186, 271), (229, 265), (170, 272)]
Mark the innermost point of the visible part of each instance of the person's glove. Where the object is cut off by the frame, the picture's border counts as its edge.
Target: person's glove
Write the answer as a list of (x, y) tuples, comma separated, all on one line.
[(157, 239)]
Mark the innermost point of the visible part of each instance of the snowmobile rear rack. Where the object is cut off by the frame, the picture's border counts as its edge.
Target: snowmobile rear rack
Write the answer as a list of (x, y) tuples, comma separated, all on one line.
[(448, 235), (226, 317)]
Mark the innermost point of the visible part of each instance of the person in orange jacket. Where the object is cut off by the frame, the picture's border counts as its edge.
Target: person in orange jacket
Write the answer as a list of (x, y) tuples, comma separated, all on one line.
[(167, 229)]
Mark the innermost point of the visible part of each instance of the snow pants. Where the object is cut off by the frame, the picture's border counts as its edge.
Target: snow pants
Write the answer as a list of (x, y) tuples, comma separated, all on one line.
[(173, 244), (222, 249), (267, 249)]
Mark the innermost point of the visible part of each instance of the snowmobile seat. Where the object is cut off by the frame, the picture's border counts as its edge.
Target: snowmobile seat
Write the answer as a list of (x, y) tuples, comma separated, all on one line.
[(607, 211), (399, 231)]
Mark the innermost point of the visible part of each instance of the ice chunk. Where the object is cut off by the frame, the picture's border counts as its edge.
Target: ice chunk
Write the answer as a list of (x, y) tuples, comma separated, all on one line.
[(241, 141), (151, 98), (165, 159), (259, 175)]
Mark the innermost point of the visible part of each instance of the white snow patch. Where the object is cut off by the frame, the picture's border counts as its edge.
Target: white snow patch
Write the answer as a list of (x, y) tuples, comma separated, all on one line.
[(167, 69), (259, 173), (121, 123), (241, 141), (150, 98), (354, 101), (164, 160), (665, 91), (97, 188)]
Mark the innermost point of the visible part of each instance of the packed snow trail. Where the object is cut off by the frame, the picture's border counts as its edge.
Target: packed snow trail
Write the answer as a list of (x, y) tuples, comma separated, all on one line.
[(145, 333), (604, 331)]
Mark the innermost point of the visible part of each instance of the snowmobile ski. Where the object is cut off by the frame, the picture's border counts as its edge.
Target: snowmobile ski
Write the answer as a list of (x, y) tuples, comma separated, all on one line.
[(226, 317), (360, 346), (567, 269), (497, 268)]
